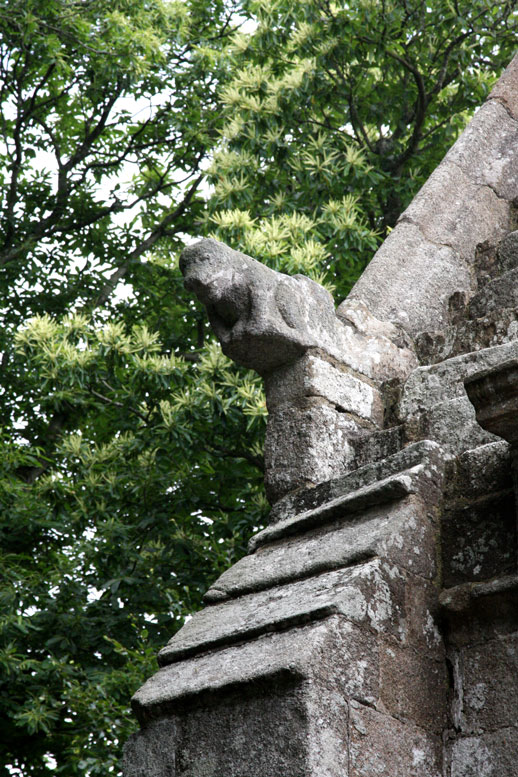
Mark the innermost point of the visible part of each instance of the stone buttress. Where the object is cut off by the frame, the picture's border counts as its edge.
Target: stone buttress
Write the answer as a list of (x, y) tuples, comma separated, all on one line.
[(372, 630)]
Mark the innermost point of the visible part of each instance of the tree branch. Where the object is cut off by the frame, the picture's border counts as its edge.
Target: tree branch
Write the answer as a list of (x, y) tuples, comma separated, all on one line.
[(257, 461), (145, 245)]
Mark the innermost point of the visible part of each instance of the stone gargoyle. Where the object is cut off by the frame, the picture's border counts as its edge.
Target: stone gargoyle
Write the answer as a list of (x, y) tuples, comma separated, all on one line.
[(262, 318), (321, 370)]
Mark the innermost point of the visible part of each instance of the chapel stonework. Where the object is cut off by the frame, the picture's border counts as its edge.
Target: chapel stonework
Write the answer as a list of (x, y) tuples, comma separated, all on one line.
[(372, 631)]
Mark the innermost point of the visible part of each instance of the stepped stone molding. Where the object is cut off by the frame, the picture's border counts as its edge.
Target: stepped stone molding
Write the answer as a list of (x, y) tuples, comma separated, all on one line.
[(372, 630)]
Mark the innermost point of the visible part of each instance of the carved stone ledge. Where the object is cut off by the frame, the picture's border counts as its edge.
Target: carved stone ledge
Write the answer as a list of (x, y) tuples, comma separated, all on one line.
[(494, 395), (461, 597), (382, 492)]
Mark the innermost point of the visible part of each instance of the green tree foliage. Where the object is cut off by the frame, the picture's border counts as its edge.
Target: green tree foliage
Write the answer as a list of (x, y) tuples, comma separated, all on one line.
[(130, 467), (113, 516)]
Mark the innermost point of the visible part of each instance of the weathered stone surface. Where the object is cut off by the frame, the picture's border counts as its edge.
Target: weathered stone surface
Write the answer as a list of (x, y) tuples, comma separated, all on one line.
[(152, 751), (478, 473), (301, 556), (312, 376), (495, 328), (494, 394), (484, 755), (508, 252), (374, 356), (265, 319), (356, 312), (479, 540), (440, 421), (402, 534), (305, 446), (422, 628), (425, 453), (327, 723), (486, 150), (505, 90), (290, 686), (382, 746), (451, 210), (413, 686), (434, 401), (377, 446), (262, 318), (295, 655), (427, 386), (246, 735), (236, 736), (496, 598), (422, 266), (499, 293), (381, 492), (489, 685), (410, 280), (362, 594)]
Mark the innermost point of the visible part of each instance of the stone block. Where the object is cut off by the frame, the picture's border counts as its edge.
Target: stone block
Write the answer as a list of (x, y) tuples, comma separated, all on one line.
[(409, 538), (489, 685), (434, 401), (370, 593), (479, 540), (427, 386), (382, 492), (247, 735), (376, 446), (413, 686), (508, 252), (345, 660), (327, 732), (495, 328), (410, 280), (239, 735), (152, 751), (382, 746), (452, 424), (481, 612), (403, 534), (295, 655), (478, 473), (312, 376), (422, 627), (502, 292), (371, 354), (485, 755), (425, 455), (199, 714), (494, 395), (305, 446)]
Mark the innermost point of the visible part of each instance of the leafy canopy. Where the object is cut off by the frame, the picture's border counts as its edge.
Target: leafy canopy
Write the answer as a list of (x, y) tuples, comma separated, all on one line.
[(112, 518), (130, 467)]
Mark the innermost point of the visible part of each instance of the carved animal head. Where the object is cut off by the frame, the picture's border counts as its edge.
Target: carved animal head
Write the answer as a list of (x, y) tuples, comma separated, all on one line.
[(263, 318)]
